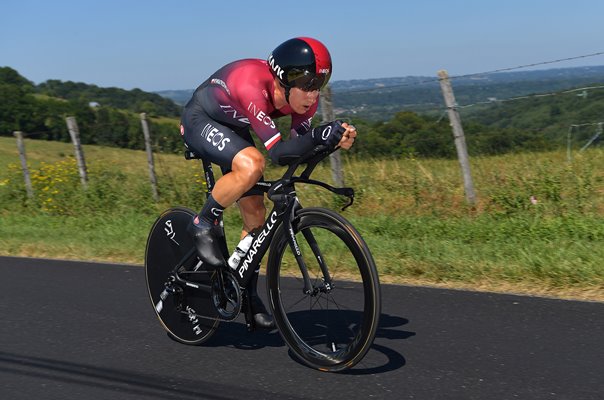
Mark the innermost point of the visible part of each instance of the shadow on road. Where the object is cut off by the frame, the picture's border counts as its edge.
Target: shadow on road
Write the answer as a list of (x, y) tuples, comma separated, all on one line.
[(389, 329), (121, 381), (235, 334)]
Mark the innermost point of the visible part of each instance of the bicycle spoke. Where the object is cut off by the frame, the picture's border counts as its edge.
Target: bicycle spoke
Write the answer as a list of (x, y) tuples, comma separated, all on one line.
[(297, 302)]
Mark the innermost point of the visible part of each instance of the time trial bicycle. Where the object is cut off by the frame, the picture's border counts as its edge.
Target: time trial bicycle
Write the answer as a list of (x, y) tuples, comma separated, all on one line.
[(322, 282)]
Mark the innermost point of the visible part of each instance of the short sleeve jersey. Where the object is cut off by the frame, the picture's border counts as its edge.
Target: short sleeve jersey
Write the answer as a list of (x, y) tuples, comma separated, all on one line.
[(240, 94)]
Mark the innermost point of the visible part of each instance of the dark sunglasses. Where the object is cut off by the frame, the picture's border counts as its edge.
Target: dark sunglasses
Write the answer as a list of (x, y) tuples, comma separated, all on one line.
[(310, 83)]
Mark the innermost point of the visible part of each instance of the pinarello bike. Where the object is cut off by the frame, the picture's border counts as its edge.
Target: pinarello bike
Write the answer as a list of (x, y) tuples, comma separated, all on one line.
[(322, 282)]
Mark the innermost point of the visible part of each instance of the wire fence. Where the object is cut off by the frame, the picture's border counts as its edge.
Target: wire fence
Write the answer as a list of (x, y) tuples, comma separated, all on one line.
[(576, 137)]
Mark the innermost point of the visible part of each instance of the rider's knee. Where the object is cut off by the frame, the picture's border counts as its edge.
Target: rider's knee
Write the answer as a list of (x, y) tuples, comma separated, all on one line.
[(249, 164)]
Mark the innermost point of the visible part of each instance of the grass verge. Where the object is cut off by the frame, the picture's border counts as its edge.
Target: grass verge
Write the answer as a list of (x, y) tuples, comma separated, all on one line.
[(538, 226), (559, 257)]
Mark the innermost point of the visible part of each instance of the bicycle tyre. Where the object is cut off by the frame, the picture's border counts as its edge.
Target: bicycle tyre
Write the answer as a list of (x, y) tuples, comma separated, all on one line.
[(310, 331), (167, 244)]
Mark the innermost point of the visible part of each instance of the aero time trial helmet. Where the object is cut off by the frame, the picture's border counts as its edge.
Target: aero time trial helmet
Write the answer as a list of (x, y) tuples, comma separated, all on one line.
[(301, 62)]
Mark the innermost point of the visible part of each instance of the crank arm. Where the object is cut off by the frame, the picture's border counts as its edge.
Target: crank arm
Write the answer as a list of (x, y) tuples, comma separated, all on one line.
[(208, 317), (199, 286)]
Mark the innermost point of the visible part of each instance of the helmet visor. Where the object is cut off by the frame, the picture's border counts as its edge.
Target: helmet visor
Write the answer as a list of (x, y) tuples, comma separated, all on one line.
[(310, 83)]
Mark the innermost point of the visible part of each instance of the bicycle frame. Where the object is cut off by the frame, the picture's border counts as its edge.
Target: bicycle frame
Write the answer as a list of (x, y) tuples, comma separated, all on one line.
[(283, 194)]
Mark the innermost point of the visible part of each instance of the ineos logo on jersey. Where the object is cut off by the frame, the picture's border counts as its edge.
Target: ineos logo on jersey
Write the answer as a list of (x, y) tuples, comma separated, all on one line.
[(261, 115), (215, 137), (326, 133), (278, 70)]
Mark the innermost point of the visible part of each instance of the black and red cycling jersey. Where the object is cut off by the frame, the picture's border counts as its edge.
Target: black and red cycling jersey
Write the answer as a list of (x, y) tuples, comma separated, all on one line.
[(240, 95)]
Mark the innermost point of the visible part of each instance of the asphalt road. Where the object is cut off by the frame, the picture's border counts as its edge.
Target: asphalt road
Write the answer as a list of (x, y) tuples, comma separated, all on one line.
[(88, 331)]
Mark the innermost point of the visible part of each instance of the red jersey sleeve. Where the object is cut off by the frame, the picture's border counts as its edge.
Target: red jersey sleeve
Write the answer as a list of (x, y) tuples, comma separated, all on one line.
[(301, 123)]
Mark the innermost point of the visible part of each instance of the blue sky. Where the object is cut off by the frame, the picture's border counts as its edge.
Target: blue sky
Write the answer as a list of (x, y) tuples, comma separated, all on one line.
[(160, 45)]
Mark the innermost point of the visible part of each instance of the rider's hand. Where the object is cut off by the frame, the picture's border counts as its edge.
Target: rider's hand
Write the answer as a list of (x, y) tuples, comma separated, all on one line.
[(328, 134), (348, 136)]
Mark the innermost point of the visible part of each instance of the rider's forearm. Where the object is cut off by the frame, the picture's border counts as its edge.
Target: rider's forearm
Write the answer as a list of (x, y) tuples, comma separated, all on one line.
[(293, 147)]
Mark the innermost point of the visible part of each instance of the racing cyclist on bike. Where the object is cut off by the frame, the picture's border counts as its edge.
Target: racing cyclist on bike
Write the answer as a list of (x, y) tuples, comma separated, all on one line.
[(216, 124)]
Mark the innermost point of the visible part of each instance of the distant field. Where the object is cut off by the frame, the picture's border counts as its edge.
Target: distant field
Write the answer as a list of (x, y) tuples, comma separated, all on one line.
[(538, 226)]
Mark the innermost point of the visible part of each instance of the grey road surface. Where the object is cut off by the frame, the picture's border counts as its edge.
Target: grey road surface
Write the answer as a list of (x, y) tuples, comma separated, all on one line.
[(71, 330)]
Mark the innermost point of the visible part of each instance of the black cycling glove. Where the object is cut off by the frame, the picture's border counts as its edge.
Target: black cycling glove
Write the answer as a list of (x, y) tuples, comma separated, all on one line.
[(328, 134)]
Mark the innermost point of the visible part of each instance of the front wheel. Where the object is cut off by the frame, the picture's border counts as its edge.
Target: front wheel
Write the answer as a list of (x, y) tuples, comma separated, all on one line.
[(332, 328)]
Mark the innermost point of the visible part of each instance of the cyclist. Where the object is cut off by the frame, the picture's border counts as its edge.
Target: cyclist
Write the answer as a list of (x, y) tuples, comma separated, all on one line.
[(216, 124)]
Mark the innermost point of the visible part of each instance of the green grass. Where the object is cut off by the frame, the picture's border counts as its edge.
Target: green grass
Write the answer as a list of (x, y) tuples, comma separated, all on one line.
[(94, 237), (558, 251), (411, 213)]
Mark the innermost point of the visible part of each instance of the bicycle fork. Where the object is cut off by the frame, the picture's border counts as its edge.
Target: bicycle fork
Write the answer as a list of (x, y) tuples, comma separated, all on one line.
[(309, 288)]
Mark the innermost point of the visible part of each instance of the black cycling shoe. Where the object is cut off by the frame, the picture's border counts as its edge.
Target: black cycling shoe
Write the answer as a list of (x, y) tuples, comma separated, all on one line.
[(264, 321), (207, 244), (262, 318)]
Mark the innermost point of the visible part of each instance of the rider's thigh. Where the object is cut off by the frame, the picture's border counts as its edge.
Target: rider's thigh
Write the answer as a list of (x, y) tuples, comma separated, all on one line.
[(214, 141)]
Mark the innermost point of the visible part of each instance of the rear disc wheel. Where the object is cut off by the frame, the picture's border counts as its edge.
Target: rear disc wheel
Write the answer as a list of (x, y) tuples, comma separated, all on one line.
[(179, 312)]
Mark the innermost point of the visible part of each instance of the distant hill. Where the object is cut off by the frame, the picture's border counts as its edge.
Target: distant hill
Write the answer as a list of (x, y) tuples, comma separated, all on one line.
[(380, 99), (134, 100), (180, 97), (392, 126), (552, 116), (105, 116)]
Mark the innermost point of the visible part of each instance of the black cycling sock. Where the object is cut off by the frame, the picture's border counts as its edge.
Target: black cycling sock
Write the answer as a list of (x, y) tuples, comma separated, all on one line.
[(210, 213)]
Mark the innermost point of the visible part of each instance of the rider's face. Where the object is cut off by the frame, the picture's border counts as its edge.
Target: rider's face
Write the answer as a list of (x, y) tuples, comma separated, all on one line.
[(300, 100)]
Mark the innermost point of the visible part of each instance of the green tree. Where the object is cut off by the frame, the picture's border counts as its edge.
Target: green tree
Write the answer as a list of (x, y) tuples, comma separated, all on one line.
[(17, 105)]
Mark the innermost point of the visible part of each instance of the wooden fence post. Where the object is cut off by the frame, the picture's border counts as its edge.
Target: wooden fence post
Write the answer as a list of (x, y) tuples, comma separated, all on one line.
[(458, 134), (147, 134), (26, 176), (74, 132), (569, 156), (328, 116)]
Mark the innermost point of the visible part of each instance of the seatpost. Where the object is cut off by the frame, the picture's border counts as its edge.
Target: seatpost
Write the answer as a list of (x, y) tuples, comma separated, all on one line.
[(209, 175)]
